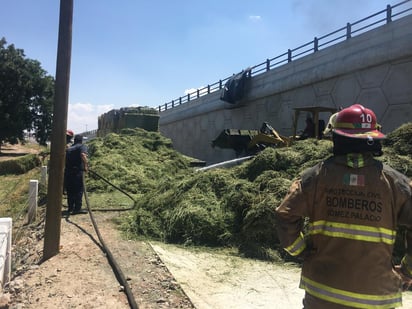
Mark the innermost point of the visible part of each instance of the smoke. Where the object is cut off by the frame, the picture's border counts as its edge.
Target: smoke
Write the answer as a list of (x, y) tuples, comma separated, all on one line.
[(325, 16)]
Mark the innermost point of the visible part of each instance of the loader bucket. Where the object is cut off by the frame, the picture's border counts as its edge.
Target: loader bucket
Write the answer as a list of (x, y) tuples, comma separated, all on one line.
[(235, 139)]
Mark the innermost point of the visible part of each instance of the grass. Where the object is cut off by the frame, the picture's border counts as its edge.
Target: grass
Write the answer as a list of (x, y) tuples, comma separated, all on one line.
[(14, 199), (14, 193)]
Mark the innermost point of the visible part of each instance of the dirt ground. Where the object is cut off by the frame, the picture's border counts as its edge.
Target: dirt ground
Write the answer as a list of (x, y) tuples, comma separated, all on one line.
[(159, 275), (12, 151), (80, 275)]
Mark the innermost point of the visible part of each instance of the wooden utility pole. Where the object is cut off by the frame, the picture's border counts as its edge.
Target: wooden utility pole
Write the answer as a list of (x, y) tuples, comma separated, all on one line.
[(58, 136)]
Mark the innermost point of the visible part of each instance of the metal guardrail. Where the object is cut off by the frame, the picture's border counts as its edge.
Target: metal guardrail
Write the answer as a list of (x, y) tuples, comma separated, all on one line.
[(88, 135), (351, 29)]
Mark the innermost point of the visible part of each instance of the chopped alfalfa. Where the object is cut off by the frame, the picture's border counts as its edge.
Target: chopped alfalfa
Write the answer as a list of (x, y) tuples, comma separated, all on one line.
[(400, 140), (217, 207)]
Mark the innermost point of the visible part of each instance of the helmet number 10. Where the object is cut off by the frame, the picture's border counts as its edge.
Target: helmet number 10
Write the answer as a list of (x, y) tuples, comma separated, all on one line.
[(366, 118)]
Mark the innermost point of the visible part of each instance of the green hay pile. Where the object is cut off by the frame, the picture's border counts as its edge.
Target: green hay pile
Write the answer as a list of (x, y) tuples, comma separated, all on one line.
[(226, 207), (400, 140), (398, 149), (221, 207), (134, 160)]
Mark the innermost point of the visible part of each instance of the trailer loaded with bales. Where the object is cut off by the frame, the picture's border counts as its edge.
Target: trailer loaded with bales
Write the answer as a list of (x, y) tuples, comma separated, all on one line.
[(114, 121)]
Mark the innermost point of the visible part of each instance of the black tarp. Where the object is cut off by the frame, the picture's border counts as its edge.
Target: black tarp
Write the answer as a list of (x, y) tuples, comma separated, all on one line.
[(234, 89)]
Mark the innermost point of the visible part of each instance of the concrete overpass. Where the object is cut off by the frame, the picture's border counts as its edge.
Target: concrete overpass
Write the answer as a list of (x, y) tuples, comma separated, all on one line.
[(355, 64)]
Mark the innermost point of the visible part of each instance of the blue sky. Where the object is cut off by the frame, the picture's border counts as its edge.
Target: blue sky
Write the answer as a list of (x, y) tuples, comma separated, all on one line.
[(148, 52)]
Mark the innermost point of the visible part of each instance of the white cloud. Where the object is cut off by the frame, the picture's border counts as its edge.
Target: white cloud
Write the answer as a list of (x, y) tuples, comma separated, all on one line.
[(255, 18), (83, 116)]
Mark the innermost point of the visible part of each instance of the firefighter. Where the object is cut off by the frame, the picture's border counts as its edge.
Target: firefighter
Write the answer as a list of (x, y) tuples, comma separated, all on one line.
[(309, 130), (350, 207), (69, 137), (69, 142), (76, 164)]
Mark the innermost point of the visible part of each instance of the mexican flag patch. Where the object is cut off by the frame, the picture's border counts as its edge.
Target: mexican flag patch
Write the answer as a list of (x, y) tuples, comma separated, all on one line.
[(354, 180)]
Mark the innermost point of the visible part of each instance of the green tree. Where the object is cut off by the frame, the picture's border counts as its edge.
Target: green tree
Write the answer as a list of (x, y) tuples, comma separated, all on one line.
[(26, 96)]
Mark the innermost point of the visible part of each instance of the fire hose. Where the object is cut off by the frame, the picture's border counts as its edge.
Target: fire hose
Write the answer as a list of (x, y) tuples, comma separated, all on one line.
[(116, 268), (114, 186)]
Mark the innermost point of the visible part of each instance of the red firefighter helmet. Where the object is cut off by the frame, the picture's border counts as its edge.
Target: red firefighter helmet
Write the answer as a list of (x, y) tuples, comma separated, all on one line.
[(69, 133), (357, 121)]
